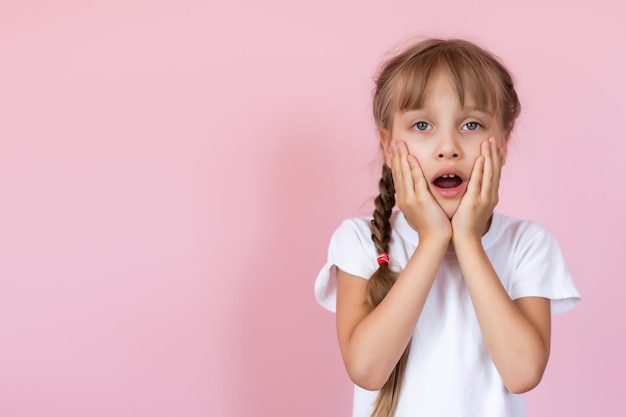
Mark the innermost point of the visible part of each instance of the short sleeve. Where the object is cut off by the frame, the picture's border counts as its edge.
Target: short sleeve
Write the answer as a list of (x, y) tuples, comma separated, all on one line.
[(351, 249), (540, 271)]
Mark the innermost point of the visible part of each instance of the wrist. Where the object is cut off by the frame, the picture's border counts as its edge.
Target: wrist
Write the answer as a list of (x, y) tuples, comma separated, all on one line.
[(435, 243), (464, 242), (472, 234)]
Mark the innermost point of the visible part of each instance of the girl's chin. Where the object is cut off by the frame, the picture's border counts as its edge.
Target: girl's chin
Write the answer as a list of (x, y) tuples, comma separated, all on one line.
[(448, 205), (450, 209)]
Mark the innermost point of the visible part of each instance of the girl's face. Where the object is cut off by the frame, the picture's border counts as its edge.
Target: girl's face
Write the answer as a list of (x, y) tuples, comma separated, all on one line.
[(445, 138)]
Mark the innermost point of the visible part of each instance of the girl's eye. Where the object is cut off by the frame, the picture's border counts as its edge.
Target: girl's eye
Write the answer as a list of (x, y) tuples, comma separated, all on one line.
[(471, 126), (421, 126)]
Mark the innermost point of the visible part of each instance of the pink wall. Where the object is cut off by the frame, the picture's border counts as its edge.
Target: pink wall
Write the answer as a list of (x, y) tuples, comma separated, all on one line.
[(171, 171)]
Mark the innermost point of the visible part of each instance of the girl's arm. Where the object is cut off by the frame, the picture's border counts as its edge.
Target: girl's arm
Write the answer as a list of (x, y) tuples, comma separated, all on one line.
[(517, 333), (372, 341)]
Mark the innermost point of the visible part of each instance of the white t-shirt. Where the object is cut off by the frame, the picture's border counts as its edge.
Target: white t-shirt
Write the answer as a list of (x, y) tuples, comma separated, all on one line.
[(449, 371)]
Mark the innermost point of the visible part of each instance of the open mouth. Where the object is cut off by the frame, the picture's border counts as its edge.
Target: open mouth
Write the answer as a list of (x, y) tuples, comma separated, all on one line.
[(448, 181)]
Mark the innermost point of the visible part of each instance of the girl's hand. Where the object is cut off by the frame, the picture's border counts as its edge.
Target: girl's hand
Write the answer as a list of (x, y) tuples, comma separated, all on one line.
[(476, 207), (423, 213)]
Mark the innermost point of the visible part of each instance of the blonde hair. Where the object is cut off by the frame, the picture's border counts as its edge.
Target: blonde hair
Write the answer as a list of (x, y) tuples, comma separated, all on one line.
[(402, 84)]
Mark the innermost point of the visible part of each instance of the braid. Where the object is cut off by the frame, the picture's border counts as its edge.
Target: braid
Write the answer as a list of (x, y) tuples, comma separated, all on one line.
[(382, 280), (386, 200), (379, 285)]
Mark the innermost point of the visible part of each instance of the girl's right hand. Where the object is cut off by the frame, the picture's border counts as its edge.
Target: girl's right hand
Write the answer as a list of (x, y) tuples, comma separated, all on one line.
[(421, 210)]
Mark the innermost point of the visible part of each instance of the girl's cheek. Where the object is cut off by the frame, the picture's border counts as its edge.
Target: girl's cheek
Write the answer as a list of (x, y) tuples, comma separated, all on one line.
[(475, 150), (415, 154), (415, 150)]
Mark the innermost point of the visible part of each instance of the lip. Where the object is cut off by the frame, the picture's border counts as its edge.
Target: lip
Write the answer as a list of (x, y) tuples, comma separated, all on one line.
[(449, 192)]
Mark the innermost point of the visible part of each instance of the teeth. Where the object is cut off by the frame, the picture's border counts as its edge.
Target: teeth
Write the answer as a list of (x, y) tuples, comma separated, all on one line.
[(448, 176)]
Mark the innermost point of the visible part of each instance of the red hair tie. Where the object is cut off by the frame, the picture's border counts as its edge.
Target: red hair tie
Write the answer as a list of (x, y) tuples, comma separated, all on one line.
[(383, 258)]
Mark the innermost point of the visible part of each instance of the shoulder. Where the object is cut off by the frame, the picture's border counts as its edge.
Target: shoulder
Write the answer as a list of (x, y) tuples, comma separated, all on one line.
[(358, 230), (537, 265), (520, 233), (351, 233), (356, 227), (352, 242)]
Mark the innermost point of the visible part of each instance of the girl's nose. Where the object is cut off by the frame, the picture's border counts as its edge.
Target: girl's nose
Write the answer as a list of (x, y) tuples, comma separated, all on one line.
[(453, 155), (448, 147)]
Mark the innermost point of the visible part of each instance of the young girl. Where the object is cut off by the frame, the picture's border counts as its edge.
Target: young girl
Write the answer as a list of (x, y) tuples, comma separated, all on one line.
[(443, 307)]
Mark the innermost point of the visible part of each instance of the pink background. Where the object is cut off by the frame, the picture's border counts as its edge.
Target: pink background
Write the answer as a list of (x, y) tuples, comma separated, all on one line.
[(171, 172)]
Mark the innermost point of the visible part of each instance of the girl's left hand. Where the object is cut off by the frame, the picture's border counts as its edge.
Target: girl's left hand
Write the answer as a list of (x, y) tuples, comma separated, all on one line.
[(481, 197)]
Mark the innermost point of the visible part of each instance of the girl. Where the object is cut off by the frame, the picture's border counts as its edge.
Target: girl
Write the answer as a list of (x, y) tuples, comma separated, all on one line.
[(443, 307)]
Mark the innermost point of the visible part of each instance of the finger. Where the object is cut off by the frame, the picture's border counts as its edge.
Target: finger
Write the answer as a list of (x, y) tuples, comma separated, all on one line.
[(402, 166), (474, 184), (395, 166), (497, 156), (487, 177), (406, 168), (419, 180), (499, 152)]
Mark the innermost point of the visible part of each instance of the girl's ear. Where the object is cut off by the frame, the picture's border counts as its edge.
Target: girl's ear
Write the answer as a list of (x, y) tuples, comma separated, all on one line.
[(385, 140)]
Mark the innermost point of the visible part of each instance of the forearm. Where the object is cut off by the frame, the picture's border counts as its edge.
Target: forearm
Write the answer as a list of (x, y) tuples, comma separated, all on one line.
[(378, 341), (517, 347)]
